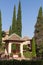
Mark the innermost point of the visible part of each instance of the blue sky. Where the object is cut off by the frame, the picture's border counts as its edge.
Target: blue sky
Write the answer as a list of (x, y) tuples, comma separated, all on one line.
[(29, 9)]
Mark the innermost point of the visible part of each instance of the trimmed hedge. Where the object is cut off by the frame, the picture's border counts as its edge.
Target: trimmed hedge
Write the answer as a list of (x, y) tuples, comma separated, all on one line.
[(23, 62)]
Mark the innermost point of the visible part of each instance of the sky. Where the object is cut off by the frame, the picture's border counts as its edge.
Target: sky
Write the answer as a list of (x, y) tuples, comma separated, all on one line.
[(29, 10)]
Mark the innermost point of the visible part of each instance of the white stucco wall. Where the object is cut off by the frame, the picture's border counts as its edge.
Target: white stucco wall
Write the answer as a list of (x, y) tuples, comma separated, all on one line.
[(26, 42)]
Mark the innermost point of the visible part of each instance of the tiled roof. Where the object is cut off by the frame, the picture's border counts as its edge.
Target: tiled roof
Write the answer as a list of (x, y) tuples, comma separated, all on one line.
[(14, 37), (25, 38)]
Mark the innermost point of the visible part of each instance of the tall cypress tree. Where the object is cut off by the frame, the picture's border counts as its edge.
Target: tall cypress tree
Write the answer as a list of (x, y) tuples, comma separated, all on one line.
[(39, 29), (19, 22), (0, 29), (33, 48), (14, 21), (14, 28)]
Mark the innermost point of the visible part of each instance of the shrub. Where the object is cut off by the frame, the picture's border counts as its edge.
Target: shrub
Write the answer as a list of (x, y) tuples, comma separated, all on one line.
[(23, 62)]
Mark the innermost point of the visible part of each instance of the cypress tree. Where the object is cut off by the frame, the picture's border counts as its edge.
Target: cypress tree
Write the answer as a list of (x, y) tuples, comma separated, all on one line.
[(19, 22), (0, 29), (33, 48), (14, 21), (10, 31), (39, 32), (39, 28), (14, 28)]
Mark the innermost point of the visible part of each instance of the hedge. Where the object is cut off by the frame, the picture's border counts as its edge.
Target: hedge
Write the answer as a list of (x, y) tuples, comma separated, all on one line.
[(23, 62)]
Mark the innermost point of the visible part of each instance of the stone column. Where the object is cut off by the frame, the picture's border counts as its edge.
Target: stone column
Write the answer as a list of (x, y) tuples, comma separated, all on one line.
[(6, 48), (9, 48), (21, 49), (6, 52)]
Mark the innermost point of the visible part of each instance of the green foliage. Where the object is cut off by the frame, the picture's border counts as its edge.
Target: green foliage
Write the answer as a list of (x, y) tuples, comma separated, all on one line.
[(19, 23), (33, 48), (0, 29), (39, 31), (22, 62), (39, 28), (24, 47), (3, 33), (14, 28), (27, 54), (40, 12), (14, 21), (11, 54), (19, 54), (13, 46)]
